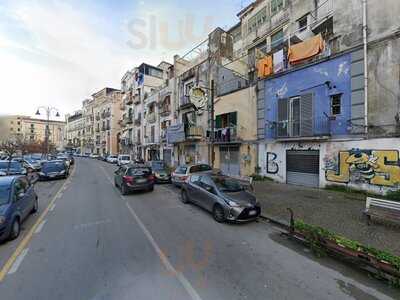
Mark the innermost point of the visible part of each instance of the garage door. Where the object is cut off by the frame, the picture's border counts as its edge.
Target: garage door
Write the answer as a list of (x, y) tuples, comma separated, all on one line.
[(229, 160), (302, 168)]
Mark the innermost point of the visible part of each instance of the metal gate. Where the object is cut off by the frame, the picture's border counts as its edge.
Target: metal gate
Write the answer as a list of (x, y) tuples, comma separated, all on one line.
[(229, 160), (302, 168)]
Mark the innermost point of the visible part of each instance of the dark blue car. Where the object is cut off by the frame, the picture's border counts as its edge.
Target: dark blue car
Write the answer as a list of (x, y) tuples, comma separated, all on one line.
[(11, 168), (18, 199), (53, 169)]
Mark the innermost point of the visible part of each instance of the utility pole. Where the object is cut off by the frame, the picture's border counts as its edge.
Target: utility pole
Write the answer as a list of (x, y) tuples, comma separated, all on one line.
[(212, 125)]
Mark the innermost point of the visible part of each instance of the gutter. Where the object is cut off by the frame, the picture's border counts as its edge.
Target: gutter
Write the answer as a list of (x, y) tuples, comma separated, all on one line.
[(365, 45)]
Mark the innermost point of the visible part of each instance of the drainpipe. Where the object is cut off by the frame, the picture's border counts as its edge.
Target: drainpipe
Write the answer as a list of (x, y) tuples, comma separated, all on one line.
[(365, 42)]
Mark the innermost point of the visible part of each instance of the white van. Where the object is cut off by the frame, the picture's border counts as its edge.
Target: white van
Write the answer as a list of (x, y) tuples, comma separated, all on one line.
[(123, 159)]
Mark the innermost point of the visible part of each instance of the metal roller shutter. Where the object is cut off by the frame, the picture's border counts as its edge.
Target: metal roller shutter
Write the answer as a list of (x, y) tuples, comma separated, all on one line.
[(302, 168)]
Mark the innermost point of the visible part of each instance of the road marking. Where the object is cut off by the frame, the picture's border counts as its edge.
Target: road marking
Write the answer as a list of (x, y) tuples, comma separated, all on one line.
[(40, 227), (53, 207), (18, 261), (59, 195), (90, 224), (25, 241), (167, 264)]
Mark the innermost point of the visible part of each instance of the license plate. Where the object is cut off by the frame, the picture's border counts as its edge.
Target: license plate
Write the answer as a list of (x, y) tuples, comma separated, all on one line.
[(252, 213), (52, 175), (141, 180)]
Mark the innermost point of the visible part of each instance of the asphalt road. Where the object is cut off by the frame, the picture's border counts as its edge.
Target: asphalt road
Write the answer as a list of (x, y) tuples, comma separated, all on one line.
[(95, 244)]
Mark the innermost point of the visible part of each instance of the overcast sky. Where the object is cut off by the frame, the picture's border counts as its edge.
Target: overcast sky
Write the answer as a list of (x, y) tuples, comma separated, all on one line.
[(60, 52)]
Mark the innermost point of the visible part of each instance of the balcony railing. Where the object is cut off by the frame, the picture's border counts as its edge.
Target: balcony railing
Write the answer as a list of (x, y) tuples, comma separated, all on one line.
[(128, 119), (226, 135), (151, 117), (194, 132), (308, 128)]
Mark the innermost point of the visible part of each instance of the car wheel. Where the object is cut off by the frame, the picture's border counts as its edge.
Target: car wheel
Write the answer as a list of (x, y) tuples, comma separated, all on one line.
[(15, 229), (124, 189), (184, 197), (35, 206), (218, 214)]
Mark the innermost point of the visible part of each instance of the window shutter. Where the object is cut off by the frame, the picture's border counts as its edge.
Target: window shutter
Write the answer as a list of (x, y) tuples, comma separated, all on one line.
[(283, 117), (306, 115), (218, 121), (233, 119)]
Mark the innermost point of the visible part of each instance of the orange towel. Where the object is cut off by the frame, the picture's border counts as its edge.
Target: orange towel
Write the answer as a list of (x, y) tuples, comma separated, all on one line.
[(306, 49), (265, 67)]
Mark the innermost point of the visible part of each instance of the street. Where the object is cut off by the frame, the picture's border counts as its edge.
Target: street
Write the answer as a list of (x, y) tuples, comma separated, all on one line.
[(94, 243)]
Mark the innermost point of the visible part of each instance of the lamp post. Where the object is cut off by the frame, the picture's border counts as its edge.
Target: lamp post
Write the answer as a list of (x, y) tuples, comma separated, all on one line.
[(48, 111)]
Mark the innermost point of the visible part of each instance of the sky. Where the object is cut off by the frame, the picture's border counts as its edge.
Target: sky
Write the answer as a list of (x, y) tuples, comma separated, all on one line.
[(59, 52)]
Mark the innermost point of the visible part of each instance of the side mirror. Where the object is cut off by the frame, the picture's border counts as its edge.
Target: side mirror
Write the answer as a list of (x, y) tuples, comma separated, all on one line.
[(209, 189), (20, 195)]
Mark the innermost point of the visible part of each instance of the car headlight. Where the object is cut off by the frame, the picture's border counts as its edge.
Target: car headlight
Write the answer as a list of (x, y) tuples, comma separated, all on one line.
[(233, 203), (2, 219), (41, 174), (62, 172)]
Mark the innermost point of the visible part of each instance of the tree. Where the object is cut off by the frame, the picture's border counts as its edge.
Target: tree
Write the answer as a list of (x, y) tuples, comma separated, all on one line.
[(10, 147)]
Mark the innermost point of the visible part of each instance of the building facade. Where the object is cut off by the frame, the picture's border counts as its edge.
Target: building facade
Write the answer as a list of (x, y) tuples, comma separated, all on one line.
[(74, 132)]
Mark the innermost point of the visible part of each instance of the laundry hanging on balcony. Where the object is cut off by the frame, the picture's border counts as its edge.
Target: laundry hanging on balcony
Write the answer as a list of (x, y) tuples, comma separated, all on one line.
[(265, 66), (307, 49), (279, 63)]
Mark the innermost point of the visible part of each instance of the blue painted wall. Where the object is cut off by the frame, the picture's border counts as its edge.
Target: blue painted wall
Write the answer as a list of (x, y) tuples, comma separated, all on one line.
[(311, 80)]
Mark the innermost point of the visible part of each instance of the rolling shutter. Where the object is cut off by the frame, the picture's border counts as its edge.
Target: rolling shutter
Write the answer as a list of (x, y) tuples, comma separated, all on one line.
[(302, 168), (283, 117)]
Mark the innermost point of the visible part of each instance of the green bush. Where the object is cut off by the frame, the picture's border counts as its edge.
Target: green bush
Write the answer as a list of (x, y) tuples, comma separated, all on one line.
[(393, 195), (314, 234)]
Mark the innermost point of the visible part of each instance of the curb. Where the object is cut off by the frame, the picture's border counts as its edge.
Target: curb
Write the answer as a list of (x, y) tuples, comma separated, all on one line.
[(281, 223)]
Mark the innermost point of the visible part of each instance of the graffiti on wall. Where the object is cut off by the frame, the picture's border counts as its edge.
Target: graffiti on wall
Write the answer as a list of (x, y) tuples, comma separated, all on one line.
[(272, 165), (376, 167)]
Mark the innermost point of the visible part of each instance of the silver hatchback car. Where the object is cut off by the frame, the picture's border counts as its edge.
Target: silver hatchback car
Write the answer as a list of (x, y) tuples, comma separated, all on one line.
[(227, 198), (182, 173)]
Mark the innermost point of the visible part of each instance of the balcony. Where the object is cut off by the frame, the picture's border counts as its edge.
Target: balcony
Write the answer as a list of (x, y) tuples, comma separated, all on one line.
[(308, 129), (151, 117), (98, 143), (165, 110), (128, 119), (194, 132), (98, 118), (226, 135)]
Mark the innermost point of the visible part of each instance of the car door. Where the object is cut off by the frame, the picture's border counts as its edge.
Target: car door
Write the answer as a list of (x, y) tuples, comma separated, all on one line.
[(206, 194), (120, 174), (193, 188), (21, 198)]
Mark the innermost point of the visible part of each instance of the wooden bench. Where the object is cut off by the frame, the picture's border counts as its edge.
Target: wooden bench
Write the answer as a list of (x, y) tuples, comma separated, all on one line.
[(383, 209)]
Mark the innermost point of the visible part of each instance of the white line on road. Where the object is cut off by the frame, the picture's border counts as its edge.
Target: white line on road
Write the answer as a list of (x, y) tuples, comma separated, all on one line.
[(18, 261), (52, 207), (40, 227), (182, 279), (90, 224)]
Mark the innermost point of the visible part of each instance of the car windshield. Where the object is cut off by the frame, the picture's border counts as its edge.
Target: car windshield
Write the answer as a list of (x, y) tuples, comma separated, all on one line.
[(181, 170), (227, 185), (138, 171), (4, 194), (157, 165), (200, 168), (13, 165), (125, 157), (53, 166), (112, 156)]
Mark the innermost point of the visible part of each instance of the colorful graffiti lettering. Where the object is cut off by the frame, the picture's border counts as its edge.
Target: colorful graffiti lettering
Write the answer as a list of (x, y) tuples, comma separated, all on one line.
[(272, 165), (377, 167)]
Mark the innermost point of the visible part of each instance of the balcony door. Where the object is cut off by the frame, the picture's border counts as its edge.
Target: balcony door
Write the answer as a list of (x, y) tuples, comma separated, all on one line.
[(294, 116)]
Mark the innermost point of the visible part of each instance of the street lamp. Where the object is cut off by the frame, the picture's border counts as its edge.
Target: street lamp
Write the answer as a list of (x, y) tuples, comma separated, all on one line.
[(48, 111)]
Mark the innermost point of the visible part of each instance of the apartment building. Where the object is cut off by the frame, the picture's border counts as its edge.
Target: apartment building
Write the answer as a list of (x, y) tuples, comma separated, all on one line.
[(88, 125), (327, 104), (74, 131), (107, 113)]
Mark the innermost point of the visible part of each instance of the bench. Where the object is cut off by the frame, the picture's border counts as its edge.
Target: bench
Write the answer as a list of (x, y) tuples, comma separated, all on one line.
[(384, 209)]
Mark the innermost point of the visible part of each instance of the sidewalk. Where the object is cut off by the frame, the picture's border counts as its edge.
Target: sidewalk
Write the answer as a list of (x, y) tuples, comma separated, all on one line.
[(338, 212)]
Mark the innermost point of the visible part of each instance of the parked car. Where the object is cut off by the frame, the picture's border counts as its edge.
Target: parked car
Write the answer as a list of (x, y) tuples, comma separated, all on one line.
[(112, 159), (54, 169), (182, 173), (17, 200), (11, 168), (64, 159), (225, 197), (29, 163), (123, 159), (160, 171), (95, 156), (134, 177)]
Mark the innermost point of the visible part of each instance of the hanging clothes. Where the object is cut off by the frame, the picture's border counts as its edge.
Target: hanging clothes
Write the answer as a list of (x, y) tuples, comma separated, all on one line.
[(278, 59), (307, 49), (265, 66)]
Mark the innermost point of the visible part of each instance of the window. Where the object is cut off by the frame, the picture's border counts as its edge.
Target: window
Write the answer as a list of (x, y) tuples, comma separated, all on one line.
[(200, 168), (194, 178), (276, 6), (336, 104), (188, 87), (303, 23), (277, 39), (257, 20)]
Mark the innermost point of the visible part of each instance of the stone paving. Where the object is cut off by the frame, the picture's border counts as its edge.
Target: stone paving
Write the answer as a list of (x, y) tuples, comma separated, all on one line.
[(339, 212)]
